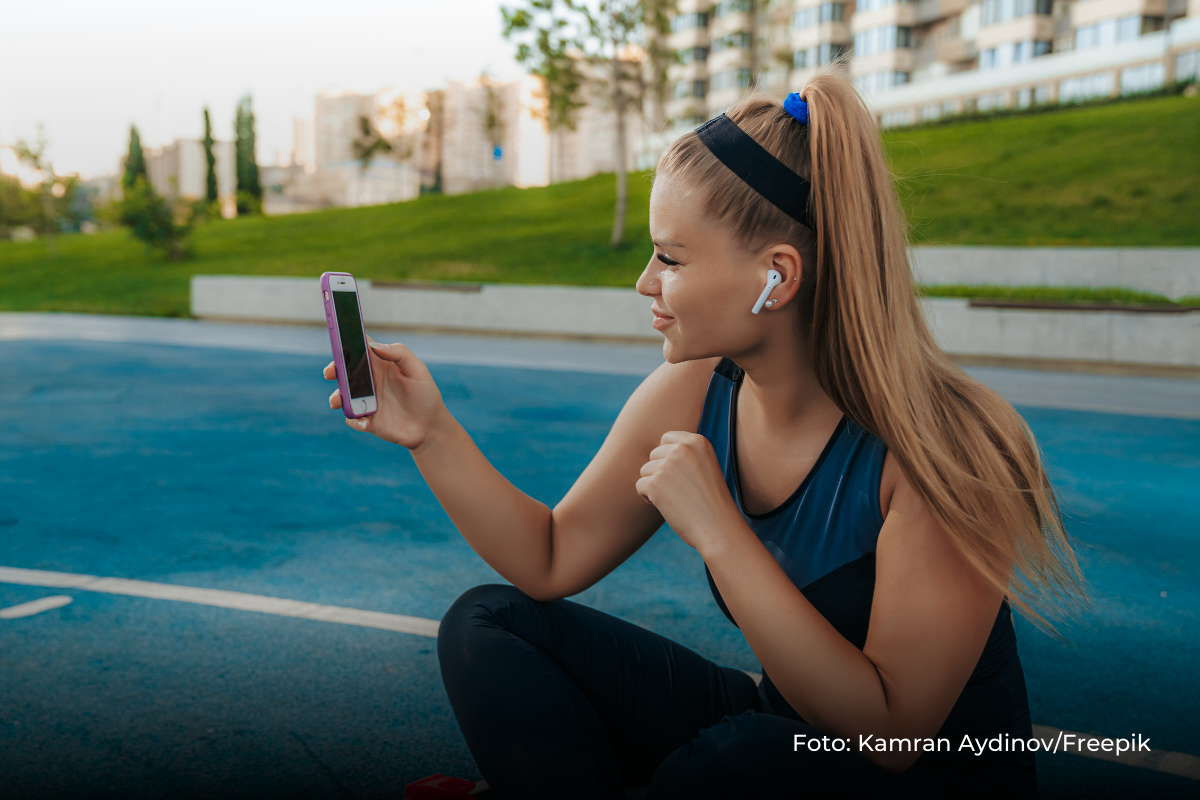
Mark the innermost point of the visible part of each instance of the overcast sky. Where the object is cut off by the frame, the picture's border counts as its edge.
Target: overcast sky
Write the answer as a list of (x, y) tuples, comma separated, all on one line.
[(87, 69)]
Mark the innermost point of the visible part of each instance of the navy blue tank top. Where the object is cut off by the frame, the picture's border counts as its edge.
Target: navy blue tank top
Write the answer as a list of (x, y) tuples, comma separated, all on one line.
[(824, 538)]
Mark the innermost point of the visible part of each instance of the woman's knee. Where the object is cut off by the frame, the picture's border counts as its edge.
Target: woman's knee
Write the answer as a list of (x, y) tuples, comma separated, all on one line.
[(477, 605)]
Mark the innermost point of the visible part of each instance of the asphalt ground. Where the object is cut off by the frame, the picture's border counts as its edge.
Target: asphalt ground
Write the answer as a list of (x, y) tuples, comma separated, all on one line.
[(213, 461)]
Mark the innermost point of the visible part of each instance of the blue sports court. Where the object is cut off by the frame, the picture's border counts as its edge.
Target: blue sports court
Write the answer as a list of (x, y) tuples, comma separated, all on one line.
[(204, 456)]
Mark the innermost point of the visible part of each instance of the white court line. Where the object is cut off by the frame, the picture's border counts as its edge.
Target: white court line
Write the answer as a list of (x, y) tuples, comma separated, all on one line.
[(222, 599), (34, 607), (1182, 764)]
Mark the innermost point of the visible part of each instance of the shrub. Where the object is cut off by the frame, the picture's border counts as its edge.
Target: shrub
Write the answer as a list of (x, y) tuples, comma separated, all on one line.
[(151, 218)]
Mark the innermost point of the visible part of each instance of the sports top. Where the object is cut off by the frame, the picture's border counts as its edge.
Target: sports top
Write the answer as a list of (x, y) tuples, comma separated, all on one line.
[(824, 538)]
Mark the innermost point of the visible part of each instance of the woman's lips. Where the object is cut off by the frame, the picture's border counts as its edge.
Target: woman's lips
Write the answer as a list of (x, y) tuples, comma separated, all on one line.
[(661, 320)]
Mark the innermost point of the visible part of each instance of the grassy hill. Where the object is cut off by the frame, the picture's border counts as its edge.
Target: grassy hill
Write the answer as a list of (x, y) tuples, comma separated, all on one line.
[(1121, 174)]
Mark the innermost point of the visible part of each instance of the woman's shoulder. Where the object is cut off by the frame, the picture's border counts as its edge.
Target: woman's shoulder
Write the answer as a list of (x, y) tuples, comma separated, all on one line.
[(672, 397)]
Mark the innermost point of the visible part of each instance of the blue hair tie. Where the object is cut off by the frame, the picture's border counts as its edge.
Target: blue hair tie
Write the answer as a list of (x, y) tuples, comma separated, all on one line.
[(796, 107)]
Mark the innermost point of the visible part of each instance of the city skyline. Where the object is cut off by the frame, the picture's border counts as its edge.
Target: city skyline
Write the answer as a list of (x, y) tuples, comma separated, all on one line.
[(87, 72)]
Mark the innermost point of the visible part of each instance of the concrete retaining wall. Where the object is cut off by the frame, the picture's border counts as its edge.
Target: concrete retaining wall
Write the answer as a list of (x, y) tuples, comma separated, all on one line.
[(1170, 271), (1081, 336), (549, 310), (1120, 337)]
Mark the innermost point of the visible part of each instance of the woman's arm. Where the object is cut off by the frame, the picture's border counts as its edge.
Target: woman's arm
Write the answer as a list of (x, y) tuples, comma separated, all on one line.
[(546, 553), (930, 617)]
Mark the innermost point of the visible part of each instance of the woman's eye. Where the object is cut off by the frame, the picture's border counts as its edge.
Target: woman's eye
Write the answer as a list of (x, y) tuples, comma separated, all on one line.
[(664, 258)]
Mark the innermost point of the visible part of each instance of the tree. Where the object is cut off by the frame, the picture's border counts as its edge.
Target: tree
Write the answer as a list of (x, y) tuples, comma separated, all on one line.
[(573, 45), (135, 162), (493, 120), (249, 190), (150, 218), (35, 156), (210, 175), (369, 143)]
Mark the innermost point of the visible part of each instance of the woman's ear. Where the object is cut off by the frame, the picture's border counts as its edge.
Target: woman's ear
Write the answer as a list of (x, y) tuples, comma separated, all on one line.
[(786, 260)]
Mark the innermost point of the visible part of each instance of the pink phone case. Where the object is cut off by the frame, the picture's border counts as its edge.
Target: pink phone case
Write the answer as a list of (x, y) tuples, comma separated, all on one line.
[(335, 342)]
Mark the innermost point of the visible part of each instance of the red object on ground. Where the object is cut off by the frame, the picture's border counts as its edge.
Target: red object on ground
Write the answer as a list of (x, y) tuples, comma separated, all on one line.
[(439, 787)]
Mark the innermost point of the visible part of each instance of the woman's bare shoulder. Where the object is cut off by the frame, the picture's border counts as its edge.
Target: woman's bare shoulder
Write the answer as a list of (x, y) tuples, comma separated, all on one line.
[(672, 397)]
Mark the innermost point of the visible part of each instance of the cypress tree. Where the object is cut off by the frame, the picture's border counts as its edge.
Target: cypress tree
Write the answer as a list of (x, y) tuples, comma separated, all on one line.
[(249, 190), (210, 194), (135, 162)]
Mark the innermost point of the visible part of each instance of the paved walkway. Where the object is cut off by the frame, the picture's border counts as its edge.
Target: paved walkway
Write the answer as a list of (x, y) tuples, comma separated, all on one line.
[(1176, 398)]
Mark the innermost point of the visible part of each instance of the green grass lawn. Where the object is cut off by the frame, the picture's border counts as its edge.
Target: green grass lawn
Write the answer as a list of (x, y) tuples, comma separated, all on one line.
[(1126, 174), (1123, 174)]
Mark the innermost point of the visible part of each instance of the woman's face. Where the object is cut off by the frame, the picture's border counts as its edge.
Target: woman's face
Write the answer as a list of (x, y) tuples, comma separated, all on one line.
[(702, 282)]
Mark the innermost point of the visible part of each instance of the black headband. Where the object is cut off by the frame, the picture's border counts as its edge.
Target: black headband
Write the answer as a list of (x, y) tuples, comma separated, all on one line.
[(763, 172)]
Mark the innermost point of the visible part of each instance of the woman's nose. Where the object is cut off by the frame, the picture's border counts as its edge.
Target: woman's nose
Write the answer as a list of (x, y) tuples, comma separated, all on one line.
[(648, 283)]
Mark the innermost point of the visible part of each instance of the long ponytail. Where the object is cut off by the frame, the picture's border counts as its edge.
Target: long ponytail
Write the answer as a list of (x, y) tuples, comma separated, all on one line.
[(963, 448)]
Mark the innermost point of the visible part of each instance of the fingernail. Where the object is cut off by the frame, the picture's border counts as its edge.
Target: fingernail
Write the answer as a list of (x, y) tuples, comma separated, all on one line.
[(375, 344)]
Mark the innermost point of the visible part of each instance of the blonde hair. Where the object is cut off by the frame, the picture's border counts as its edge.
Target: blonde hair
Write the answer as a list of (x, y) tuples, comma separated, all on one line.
[(964, 449)]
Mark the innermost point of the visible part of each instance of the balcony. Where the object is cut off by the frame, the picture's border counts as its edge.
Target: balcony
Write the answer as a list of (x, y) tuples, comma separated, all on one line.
[(898, 14), (956, 50), (1093, 11), (933, 10), (694, 37), (901, 60), (730, 23), (1037, 27), (825, 32), (696, 71)]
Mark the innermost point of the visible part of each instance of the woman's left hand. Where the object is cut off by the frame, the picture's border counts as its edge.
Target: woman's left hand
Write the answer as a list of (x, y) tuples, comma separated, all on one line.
[(683, 481)]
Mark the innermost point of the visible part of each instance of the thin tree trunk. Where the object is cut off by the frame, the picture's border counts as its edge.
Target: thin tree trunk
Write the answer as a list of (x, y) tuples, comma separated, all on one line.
[(48, 215), (618, 231)]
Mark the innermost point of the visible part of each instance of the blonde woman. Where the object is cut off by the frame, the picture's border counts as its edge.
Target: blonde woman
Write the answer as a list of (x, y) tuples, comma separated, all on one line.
[(867, 512)]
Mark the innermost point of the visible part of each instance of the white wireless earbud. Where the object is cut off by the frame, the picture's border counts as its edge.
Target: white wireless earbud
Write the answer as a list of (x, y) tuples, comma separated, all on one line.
[(773, 280)]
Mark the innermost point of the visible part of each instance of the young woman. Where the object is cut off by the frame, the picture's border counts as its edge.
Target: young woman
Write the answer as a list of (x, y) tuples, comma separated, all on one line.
[(867, 512)]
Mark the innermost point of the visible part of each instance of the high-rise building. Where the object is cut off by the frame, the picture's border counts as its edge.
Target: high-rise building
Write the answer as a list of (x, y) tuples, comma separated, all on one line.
[(179, 170), (921, 59)]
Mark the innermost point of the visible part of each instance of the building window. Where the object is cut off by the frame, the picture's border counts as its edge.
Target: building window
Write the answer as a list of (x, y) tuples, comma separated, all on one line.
[(734, 41), (930, 113), (1009, 53), (1108, 31), (993, 12), (697, 55), (727, 7), (815, 15), (1098, 84), (893, 119), (881, 40), (686, 22), (731, 79), (1145, 78), (813, 57), (1187, 65), (880, 81), (987, 102), (685, 89), (875, 5)]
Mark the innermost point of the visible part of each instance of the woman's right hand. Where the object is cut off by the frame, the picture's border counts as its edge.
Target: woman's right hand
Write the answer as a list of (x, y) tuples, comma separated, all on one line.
[(408, 401)]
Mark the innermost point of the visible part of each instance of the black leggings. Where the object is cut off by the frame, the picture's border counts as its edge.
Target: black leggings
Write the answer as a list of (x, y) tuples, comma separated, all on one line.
[(558, 700)]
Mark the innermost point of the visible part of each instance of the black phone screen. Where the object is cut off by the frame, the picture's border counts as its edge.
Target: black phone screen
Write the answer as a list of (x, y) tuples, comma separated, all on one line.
[(354, 346)]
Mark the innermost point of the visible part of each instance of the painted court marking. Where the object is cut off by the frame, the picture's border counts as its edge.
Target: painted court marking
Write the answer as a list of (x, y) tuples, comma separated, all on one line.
[(1182, 764), (34, 607), (222, 599)]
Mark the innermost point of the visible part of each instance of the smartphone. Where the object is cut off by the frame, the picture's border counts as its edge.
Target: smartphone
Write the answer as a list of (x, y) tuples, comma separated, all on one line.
[(343, 312)]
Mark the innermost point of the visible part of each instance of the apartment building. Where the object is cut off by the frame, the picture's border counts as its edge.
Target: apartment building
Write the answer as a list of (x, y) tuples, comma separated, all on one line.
[(954, 55), (179, 170)]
